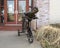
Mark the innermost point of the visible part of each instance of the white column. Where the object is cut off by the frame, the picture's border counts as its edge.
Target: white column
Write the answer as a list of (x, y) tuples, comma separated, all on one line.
[(43, 14)]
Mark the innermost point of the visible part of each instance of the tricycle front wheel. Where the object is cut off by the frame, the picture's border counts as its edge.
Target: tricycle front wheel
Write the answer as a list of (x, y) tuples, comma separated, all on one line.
[(30, 40)]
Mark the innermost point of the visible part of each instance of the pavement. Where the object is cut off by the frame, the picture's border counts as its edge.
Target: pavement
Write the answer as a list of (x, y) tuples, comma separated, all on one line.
[(10, 39)]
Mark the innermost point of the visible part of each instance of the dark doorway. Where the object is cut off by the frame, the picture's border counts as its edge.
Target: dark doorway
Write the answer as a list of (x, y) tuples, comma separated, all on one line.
[(1, 12)]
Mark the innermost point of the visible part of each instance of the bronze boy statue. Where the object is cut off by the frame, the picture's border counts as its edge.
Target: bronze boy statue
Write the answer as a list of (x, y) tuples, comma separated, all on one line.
[(30, 16), (26, 20)]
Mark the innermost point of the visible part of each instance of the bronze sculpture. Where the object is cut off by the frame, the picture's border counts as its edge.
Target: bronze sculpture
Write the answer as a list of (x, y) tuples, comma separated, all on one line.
[(27, 18)]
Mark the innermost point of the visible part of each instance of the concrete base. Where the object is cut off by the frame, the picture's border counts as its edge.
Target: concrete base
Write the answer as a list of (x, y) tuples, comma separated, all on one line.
[(10, 39)]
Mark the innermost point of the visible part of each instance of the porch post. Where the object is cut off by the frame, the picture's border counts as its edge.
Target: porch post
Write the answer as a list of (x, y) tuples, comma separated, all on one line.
[(27, 5), (5, 11), (16, 9)]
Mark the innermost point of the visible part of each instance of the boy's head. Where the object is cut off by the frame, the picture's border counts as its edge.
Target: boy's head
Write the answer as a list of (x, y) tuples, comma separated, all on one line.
[(35, 10)]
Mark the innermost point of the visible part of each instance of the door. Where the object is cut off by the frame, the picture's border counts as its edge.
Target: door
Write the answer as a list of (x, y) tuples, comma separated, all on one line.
[(14, 10), (23, 6), (21, 9), (10, 11)]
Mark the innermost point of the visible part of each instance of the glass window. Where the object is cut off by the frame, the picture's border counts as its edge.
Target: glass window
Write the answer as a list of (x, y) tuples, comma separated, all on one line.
[(10, 6), (22, 9), (30, 2), (22, 6)]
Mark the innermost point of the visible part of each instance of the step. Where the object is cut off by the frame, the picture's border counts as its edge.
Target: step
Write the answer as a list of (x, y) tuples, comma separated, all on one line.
[(10, 28)]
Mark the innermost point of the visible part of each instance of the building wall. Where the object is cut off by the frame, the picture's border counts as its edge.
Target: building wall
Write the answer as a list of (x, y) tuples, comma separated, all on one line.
[(54, 11)]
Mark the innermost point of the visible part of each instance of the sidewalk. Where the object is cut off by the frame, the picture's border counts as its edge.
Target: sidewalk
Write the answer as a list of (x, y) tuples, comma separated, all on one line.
[(10, 39)]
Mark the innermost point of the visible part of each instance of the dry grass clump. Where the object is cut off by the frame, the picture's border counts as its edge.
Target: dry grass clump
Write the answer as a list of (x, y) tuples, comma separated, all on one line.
[(48, 36)]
